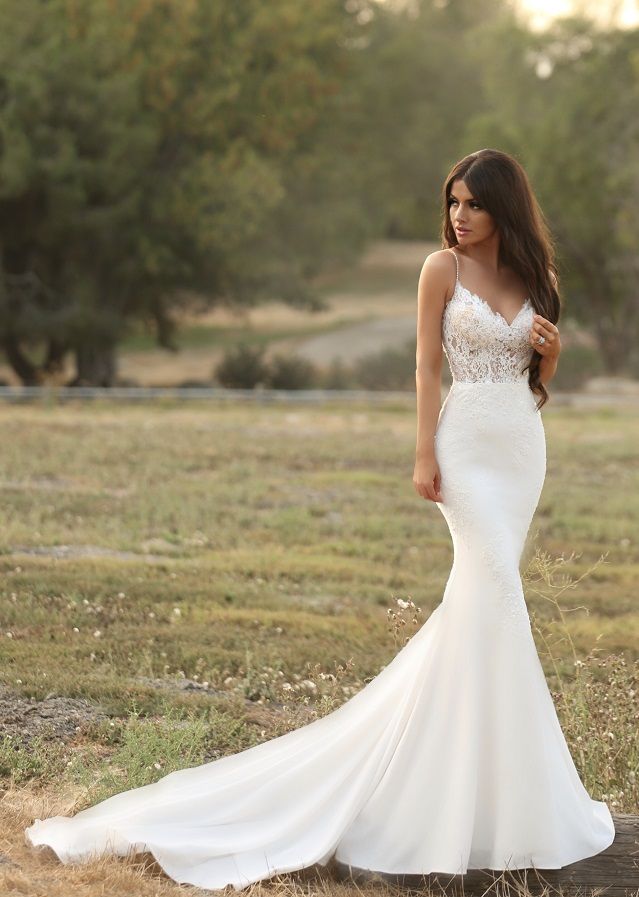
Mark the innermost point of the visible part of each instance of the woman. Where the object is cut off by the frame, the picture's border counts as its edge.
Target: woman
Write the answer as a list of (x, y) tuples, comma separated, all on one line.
[(452, 757)]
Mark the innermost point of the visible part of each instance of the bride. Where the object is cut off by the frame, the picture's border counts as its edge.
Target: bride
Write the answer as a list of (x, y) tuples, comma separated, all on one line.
[(452, 757)]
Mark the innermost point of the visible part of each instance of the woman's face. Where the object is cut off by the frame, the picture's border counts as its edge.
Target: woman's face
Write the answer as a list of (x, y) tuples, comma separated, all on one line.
[(471, 222)]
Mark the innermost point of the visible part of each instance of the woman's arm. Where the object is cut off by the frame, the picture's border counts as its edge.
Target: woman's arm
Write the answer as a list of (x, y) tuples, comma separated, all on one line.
[(548, 367), (434, 281)]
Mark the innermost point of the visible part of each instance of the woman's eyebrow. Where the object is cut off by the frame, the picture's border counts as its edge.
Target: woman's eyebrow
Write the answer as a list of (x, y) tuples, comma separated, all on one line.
[(452, 196)]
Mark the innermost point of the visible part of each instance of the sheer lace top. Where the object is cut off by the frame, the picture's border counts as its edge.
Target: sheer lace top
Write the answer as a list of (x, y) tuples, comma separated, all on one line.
[(479, 343)]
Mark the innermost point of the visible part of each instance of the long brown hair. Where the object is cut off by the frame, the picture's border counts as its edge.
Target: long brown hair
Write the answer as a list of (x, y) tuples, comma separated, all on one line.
[(499, 183)]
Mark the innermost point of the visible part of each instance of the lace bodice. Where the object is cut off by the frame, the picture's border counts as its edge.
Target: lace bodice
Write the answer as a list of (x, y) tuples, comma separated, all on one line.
[(479, 342)]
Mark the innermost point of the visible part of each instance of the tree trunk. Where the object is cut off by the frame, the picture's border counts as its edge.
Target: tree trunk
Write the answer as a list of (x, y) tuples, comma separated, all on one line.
[(96, 365), (56, 352), (28, 372)]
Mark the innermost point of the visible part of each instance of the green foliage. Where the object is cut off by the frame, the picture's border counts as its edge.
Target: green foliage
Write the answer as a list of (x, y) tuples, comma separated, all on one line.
[(36, 758), (150, 149), (145, 751)]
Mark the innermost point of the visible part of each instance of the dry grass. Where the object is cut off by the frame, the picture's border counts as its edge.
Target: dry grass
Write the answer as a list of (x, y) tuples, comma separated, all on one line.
[(292, 531)]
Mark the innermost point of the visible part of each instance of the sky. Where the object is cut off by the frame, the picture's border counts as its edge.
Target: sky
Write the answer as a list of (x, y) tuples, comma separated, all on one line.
[(621, 12)]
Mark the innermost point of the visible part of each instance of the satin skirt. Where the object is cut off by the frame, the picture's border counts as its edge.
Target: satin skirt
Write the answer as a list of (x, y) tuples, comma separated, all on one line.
[(451, 758)]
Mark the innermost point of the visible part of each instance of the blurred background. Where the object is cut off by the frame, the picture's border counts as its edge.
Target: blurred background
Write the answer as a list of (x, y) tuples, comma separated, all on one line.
[(241, 194)]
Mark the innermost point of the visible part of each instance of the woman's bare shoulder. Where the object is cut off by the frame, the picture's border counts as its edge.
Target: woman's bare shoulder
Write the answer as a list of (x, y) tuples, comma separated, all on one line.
[(440, 260), (438, 273)]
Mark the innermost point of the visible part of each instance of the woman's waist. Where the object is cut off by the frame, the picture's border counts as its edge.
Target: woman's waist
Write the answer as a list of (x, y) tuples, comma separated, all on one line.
[(519, 381), (496, 399)]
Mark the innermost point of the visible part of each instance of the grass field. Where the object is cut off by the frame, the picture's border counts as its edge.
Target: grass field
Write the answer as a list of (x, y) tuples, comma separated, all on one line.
[(183, 582)]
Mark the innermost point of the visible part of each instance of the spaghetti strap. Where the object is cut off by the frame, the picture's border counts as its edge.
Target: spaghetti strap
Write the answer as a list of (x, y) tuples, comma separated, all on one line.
[(456, 264)]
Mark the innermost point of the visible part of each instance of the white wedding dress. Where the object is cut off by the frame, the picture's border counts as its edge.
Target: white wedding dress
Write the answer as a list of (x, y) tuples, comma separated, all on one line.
[(452, 758)]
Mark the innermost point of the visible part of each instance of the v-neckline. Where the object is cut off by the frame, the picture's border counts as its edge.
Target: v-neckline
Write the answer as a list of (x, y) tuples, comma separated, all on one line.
[(493, 311)]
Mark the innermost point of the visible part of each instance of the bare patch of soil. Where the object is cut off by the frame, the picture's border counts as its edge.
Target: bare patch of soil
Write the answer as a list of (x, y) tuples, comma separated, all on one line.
[(57, 718)]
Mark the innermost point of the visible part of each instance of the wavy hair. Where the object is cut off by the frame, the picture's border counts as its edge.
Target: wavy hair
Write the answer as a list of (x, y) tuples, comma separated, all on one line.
[(500, 184)]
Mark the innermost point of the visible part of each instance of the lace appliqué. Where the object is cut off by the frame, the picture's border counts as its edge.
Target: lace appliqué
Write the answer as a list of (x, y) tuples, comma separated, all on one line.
[(484, 409), (480, 344), (457, 509), (512, 612)]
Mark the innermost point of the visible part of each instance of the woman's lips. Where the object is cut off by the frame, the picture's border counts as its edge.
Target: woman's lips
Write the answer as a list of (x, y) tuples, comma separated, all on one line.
[(462, 230)]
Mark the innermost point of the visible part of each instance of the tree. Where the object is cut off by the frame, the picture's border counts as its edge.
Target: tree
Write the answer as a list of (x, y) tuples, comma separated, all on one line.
[(150, 149)]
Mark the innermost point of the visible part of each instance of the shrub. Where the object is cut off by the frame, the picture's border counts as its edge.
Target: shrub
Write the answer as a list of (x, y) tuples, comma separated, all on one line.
[(291, 372), (242, 367), (388, 369), (36, 758), (338, 376)]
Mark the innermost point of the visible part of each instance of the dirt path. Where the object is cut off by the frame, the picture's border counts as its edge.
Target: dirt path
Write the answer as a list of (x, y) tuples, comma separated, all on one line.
[(359, 340)]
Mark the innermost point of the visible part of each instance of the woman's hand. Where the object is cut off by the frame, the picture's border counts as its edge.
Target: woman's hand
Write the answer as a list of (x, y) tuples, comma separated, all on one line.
[(427, 478), (552, 345)]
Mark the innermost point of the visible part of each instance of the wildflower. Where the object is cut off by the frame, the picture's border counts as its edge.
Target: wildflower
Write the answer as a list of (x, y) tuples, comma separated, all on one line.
[(177, 612), (403, 604), (97, 634)]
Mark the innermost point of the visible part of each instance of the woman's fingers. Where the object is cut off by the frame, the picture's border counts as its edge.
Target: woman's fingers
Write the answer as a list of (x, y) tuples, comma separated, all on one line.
[(431, 491), (543, 327), (429, 488)]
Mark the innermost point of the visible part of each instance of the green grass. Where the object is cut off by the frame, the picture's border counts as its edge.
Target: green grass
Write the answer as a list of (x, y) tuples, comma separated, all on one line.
[(207, 336), (279, 537)]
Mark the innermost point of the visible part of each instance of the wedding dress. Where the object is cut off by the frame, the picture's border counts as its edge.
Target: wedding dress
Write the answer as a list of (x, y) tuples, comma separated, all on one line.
[(452, 757)]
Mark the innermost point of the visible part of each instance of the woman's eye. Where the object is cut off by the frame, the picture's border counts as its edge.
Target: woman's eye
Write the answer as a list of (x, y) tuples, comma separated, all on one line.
[(474, 205)]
